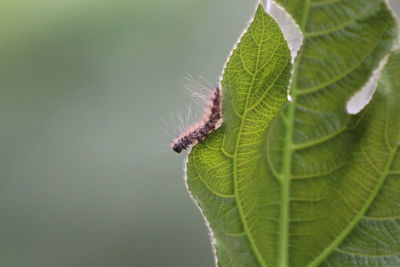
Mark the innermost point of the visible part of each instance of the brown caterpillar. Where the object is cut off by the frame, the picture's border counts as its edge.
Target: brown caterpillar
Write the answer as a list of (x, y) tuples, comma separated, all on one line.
[(199, 131)]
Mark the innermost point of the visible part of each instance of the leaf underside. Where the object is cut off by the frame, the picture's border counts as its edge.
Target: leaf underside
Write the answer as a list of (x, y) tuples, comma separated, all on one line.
[(303, 183)]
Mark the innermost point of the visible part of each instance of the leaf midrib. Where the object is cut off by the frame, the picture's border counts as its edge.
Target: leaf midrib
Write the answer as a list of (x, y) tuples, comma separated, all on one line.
[(286, 176)]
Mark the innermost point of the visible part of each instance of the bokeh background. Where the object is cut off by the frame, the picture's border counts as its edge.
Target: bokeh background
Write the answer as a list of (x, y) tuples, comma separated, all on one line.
[(86, 176)]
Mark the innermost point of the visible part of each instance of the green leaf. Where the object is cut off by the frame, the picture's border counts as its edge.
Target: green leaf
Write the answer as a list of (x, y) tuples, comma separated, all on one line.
[(220, 171), (290, 183), (373, 176)]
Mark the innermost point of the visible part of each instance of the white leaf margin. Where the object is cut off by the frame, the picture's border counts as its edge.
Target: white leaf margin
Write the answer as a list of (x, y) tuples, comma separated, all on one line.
[(360, 99), (290, 30)]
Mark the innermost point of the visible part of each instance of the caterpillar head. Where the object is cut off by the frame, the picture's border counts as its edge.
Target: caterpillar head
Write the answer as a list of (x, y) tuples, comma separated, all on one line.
[(177, 147)]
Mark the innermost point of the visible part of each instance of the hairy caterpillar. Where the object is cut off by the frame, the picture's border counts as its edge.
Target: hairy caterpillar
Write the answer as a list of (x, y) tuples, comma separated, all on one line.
[(199, 131)]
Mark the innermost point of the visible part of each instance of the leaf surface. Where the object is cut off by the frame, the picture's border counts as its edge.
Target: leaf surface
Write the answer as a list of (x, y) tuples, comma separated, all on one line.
[(291, 183), (375, 169)]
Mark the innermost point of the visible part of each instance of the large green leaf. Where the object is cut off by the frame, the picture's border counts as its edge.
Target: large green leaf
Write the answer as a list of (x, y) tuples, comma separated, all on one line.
[(289, 184)]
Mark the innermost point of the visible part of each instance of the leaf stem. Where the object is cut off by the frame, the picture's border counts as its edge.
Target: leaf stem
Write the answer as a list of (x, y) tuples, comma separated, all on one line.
[(285, 189)]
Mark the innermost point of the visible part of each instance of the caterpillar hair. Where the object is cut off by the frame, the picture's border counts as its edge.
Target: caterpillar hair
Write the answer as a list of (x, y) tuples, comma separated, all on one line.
[(200, 130)]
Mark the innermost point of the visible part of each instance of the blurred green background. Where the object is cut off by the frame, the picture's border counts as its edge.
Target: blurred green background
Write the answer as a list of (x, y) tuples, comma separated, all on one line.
[(87, 178)]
